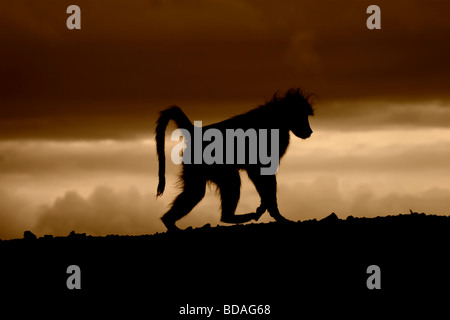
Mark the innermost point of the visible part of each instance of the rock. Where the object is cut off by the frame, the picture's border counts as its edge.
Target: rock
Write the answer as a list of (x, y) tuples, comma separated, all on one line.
[(330, 219), (74, 235), (28, 235)]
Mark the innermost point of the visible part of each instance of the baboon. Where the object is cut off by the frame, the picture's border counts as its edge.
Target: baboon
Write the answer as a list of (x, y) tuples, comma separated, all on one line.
[(285, 113)]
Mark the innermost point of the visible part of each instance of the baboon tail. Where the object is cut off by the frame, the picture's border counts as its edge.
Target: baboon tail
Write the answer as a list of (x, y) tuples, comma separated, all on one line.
[(177, 115)]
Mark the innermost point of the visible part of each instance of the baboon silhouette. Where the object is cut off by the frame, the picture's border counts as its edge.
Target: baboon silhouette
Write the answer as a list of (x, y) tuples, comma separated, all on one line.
[(287, 113)]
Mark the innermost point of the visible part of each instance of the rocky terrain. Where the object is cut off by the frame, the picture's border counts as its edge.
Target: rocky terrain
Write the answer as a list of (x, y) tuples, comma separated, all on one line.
[(318, 266)]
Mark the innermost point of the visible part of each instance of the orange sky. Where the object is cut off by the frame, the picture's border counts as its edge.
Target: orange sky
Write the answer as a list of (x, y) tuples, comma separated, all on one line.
[(77, 108)]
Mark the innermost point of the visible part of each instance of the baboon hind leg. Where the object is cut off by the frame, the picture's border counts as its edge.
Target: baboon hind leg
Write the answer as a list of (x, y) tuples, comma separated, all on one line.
[(193, 192), (229, 185)]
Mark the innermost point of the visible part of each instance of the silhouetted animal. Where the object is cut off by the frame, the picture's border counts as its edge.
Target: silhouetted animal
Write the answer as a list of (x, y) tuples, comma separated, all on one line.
[(287, 113)]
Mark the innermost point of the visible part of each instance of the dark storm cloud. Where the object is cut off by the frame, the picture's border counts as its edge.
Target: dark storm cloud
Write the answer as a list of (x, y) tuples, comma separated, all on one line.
[(132, 58)]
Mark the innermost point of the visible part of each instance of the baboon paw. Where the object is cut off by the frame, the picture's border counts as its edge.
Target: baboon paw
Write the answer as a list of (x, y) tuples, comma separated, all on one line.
[(170, 225), (261, 209)]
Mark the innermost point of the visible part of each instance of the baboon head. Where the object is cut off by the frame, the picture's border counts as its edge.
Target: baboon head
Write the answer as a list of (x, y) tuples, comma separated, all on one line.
[(297, 109)]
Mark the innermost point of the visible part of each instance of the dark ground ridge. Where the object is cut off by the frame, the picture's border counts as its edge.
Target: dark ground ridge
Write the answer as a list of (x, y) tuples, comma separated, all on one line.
[(390, 221), (310, 263)]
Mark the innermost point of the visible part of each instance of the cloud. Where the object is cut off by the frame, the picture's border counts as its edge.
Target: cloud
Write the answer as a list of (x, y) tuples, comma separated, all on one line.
[(395, 160), (365, 158), (104, 211), (116, 211), (382, 114), (325, 194), (56, 158), (432, 201), (15, 214), (365, 173)]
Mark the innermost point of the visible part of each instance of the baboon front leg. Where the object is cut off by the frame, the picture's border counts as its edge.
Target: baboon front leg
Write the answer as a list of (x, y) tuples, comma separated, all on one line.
[(229, 187), (267, 189)]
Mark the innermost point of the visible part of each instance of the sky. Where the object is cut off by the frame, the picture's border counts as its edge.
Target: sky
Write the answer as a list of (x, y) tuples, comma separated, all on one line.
[(78, 107)]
